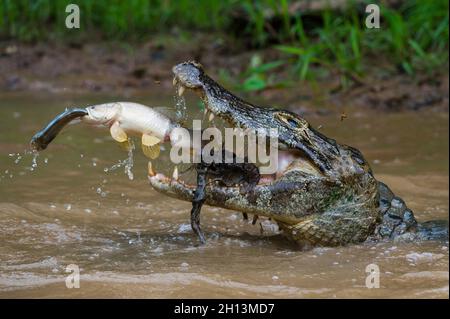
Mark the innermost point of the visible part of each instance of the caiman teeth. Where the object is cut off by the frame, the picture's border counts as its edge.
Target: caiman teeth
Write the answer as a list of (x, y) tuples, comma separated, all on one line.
[(175, 81), (181, 90), (211, 117), (175, 173), (151, 172)]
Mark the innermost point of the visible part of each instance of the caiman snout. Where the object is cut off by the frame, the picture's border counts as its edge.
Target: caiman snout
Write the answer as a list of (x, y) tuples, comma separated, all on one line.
[(188, 74)]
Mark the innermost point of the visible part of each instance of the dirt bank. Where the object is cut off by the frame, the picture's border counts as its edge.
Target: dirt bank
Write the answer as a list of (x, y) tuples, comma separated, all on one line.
[(79, 68)]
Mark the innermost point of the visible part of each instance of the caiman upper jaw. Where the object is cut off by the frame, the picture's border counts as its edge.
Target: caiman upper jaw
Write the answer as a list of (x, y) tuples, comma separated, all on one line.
[(293, 131)]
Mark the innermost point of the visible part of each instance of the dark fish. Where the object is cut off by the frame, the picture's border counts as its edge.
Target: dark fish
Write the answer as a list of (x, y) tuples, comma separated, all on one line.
[(41, 139)]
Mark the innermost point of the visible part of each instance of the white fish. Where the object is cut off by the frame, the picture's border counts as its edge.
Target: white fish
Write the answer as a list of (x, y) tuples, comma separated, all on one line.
[(126, 118), (122, 119)]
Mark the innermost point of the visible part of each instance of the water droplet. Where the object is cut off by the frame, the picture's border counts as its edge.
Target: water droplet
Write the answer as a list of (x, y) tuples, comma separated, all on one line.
[(101, 192), (128, 163), (34, 161), (180, 106)]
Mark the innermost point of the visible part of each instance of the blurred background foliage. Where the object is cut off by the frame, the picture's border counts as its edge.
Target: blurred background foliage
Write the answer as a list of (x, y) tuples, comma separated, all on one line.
[(413, 34)]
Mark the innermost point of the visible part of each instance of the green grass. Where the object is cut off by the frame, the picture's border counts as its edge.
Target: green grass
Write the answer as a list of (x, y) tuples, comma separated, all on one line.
[(114, 19), (258, 75), (413, 38)]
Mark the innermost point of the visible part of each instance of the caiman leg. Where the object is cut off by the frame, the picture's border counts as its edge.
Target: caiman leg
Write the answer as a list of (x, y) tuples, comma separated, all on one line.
[(198, 200), (398, 221)]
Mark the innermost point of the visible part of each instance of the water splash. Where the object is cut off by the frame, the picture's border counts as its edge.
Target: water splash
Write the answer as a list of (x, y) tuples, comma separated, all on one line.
[(34, 160), (101, 192), (180, 108), (17, 157), (18, 168), (127, 163)]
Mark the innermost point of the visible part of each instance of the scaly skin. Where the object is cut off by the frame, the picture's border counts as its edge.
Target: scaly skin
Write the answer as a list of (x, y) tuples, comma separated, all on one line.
[(327, 196)]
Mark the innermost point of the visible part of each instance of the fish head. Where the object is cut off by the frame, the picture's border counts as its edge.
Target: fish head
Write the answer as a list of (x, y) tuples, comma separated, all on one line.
[(102, 114)]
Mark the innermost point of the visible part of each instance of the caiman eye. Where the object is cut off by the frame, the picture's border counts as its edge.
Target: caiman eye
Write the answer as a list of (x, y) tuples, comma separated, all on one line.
[(292, 123), (291, 120)]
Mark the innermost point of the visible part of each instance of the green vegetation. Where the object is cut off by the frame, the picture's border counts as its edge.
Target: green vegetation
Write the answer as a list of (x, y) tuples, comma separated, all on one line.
[(114, 19), (257, 76), (413, 38)]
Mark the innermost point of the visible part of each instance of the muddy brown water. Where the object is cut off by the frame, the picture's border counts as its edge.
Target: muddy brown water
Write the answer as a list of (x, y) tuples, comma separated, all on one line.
[(130, 241)]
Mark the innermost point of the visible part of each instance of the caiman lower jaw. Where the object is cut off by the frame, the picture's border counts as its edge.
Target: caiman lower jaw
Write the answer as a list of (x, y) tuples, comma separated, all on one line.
[(217, 196), (178, 188), (171, 186)]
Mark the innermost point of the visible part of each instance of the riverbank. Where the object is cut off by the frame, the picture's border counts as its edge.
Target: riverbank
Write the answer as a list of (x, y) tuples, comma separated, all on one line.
[(145, 67)]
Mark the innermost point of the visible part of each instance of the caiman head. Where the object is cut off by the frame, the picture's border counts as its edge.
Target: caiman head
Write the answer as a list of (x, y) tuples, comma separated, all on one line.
[(294, 132), (323, 192)]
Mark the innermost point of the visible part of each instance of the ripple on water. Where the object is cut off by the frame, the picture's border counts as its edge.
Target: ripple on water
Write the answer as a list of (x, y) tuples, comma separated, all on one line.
[(425, 257), (147, 249)]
